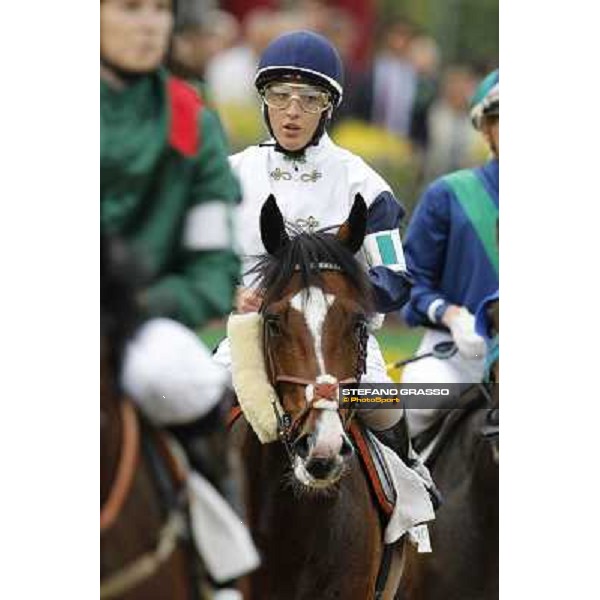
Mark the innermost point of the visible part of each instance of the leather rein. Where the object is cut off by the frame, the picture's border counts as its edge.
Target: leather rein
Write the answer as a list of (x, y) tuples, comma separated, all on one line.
[(145, 566)]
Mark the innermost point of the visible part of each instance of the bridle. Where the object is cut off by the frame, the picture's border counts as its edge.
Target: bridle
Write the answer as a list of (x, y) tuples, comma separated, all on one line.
[(318, 396)]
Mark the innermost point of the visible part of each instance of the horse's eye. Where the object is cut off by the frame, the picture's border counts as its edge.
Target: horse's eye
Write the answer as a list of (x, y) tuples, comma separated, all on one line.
[(273, 324)]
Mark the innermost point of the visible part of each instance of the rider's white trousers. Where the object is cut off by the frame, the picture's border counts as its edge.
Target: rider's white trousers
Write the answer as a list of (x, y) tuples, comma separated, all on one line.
[(378, 419), (456, 369), (170, 374)]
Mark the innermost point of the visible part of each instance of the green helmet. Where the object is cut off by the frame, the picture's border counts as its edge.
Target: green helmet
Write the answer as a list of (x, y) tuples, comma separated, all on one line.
[(485, 101)]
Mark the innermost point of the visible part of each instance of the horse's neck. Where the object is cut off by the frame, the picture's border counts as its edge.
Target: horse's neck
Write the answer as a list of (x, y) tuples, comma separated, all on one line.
[(466, 463), (274, 504), (111, 426), (293, 529)]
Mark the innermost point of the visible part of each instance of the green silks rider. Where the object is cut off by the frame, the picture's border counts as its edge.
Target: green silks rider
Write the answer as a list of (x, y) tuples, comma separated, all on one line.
[(167, 192)]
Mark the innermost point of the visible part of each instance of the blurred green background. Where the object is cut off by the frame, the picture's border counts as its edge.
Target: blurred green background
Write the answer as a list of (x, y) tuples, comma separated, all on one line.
[(467, 30)]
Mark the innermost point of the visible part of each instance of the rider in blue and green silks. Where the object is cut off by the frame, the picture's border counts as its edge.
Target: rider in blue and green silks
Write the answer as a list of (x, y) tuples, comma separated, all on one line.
[(452, 254), (167, 192)]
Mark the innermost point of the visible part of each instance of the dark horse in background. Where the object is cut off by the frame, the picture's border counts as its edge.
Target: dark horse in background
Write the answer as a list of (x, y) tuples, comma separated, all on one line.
[(143, 552), (310, 508), (464, 536)]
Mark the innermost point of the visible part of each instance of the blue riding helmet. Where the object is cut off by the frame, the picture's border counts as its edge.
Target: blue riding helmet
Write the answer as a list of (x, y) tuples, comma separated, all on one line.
[(305, 54), (486, 100)]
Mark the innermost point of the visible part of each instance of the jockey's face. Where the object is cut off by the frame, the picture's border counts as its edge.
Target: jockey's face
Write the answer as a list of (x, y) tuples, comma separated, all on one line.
[(294, 125), (134, 34), (491, 130)]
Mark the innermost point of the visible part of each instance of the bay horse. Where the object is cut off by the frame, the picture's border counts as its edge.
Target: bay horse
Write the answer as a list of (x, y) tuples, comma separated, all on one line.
[(463, 564), (144, 552), (309, 505)]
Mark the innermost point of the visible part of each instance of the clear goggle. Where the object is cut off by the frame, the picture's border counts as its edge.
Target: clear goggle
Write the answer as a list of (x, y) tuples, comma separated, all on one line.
[(311, 99)]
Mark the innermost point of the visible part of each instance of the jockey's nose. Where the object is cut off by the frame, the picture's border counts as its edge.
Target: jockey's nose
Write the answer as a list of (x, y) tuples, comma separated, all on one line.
[(294, 109)]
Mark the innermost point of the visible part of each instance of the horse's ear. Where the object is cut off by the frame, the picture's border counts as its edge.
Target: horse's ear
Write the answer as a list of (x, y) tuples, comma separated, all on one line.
[(352, 232), (272, 226)]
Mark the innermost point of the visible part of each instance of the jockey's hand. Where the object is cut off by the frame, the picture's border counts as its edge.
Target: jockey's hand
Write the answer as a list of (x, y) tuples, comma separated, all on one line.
[(247, 300), (462, 326)]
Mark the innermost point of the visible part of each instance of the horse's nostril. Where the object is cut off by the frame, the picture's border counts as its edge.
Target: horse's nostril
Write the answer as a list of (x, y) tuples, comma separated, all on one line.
[(319, 468), (347, 449), (302, 446)]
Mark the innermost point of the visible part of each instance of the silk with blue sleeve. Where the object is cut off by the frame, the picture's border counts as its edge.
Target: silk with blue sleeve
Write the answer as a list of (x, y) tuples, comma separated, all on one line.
[(391, 287), (444, 254), (482, 322)]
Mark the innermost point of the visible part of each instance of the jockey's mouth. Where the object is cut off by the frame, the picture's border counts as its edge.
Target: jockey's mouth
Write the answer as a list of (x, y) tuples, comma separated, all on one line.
[(292, 127)]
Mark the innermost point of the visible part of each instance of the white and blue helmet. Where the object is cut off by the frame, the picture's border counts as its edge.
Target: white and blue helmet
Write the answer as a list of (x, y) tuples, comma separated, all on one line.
[(486, 99), (302, 54)]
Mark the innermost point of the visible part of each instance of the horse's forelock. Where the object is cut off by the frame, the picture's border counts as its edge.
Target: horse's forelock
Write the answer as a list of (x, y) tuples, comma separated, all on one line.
[(308, 255)]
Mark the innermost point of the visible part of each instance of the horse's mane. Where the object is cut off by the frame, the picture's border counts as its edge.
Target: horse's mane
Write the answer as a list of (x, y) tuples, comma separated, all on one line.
[(308, 255)]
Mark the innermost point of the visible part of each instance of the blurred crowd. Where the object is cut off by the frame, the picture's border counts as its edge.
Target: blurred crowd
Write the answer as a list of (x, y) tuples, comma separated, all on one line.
[(405, 108)]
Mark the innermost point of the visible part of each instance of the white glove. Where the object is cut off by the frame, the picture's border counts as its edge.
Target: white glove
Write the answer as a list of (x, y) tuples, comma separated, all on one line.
[(469, 343)]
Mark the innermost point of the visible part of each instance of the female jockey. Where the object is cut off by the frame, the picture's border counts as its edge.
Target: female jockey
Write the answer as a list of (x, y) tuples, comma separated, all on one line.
[(452, 254), (167, 191), (299, 79)]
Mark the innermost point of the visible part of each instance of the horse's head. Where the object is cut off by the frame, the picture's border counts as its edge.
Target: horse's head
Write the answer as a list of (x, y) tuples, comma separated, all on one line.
[(317, 301)]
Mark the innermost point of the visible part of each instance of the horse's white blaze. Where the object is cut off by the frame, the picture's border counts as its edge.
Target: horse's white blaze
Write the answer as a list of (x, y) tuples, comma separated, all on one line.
[(329, 432), (314, 304), (328, 435)]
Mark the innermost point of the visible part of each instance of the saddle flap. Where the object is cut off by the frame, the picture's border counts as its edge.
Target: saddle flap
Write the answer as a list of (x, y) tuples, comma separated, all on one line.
[(375, 467)]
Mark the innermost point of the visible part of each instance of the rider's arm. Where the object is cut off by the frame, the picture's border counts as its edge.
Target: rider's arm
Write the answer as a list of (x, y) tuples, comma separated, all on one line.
[(426, 243), (384, 253), (202, 285)]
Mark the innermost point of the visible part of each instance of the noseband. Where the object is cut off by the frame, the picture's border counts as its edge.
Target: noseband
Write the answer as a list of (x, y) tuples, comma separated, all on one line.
[(318, 396)]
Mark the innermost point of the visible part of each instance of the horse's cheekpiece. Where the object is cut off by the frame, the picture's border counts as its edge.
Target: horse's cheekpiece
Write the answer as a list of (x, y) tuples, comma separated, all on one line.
[(254, 391)]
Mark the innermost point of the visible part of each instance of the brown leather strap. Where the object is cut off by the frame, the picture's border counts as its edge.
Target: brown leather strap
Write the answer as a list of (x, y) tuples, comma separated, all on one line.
[(175, 466), (145, 566), (367, 460), (234, 413), (292, 379), (126, 468), (303, 381)]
